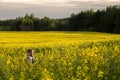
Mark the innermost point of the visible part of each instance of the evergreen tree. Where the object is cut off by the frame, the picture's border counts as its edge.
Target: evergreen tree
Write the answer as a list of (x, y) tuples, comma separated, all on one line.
[(117, 25)]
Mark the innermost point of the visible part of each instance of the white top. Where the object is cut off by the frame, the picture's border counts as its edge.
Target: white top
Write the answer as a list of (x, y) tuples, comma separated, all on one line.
[(31, 59)]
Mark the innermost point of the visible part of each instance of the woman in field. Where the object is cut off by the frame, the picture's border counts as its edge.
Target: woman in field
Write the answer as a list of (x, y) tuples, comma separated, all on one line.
[(30, 55)]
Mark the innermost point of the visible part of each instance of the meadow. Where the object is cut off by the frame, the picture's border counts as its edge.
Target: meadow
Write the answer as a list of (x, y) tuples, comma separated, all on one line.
[(60, 56)]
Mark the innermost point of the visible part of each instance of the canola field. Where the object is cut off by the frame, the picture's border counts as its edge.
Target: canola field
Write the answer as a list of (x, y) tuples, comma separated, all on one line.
[(60, 56)]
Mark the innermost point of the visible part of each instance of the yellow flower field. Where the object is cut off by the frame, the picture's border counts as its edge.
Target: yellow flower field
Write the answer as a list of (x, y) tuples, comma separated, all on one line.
[(60, 56)]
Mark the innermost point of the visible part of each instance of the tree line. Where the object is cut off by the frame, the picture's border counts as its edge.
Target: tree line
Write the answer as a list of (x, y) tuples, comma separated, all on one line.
[(106, 20)]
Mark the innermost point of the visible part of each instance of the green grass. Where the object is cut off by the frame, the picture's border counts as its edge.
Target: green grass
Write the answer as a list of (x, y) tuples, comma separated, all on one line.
[(60, 56)]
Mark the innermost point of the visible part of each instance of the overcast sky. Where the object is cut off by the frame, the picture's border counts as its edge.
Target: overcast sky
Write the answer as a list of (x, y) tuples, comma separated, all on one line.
[(51, 8)]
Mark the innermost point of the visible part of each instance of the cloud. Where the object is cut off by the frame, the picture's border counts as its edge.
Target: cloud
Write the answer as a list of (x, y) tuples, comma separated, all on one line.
[(50, 8), (33, 1), (62, 3), (16, 0), (94, 4)]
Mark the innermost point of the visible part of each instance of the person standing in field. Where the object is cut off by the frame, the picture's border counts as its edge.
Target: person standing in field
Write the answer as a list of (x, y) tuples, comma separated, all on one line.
[(30, 55)]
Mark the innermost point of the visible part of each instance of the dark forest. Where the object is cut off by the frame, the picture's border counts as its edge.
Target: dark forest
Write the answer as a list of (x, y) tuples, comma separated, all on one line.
[(106, 20)]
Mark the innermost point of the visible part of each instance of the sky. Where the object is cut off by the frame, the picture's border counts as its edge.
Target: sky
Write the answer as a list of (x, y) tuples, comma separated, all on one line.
[(10, 9)]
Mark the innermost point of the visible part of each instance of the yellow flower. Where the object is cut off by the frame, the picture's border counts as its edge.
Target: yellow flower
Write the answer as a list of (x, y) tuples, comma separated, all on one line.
[(11, 78), (100, 74), (8, 61)]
